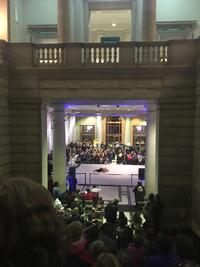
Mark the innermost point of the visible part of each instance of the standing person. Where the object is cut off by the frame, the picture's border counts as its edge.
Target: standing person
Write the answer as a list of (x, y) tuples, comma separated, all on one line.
[(56, 190), (139, 192), (31, 232), (157, 213), (148, 208)]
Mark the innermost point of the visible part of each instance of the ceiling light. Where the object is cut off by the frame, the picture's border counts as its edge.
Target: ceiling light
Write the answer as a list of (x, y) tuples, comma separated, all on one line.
[(114, 24)]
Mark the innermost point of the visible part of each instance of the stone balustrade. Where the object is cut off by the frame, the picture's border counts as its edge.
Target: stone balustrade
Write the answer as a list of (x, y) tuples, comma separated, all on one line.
[(103, 54), (128, 54), (3, 52)]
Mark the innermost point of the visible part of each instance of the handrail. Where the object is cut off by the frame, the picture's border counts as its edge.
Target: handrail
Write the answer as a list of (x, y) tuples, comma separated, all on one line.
[(85, 174), (110, 174)]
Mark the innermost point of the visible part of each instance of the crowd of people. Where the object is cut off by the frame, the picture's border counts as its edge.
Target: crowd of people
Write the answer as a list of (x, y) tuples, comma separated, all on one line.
[(36, 231), (106, 153)]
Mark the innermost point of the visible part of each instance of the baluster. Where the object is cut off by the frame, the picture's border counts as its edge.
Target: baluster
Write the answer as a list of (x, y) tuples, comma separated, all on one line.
[(150, 54), (107, 55), (50, 56), (92, 55), (137, 54), (60, 55), (102, 55), (118, 54), (153, 54), (141, 54), (88, 56), (55, 59), (146, 54), (45, 56), (63, 55), (161, 54), (36, 57), (97, 55), (41, 52), (166, 53), (156, 54), (83, 55), (114, 54)]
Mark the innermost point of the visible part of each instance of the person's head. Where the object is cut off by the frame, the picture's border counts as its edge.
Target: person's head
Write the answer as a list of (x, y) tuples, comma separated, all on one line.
[(31, 232), (96, 248), (75, 231), (88, 190), (164, 244), (138, 240), (184, 247), (122, 219), (107, 260), (56, 184), (151, 197)]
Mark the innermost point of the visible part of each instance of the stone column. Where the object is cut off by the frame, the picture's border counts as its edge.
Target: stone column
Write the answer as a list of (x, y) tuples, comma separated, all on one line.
[(67, 118), (49, 131), (136, 15), (59, 148), (98, 134), (151, 162), (63, 21), (127, 135), (149, 20), (80, 22), (44, 145), (72, 128)]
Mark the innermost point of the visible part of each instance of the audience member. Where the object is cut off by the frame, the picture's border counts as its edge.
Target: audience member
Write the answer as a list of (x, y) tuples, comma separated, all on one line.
[(107, 260), (31, 232)]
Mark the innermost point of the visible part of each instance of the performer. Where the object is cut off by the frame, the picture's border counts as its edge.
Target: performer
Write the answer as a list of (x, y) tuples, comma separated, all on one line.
[(101, 170), (72, 176)]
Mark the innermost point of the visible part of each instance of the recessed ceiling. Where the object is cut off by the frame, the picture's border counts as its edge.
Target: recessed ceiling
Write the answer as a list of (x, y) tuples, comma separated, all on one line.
[(103, 20), (106, 110)]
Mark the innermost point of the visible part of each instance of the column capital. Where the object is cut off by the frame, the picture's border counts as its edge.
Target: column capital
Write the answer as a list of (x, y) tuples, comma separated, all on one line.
[(58, 107), (152, 106)]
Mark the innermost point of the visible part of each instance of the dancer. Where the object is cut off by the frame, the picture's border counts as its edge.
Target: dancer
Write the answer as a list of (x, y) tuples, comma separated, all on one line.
[(104, 170)]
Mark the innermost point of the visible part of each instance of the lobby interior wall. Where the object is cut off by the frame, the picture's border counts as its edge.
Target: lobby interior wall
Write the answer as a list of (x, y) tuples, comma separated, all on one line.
[(196, 169), (4, 114), (179, 10), (37, 12), (25, 115), (176, 135), (90, 120)]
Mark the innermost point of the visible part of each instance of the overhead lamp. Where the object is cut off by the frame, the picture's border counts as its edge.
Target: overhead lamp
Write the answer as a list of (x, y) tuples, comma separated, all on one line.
[(114, 24)]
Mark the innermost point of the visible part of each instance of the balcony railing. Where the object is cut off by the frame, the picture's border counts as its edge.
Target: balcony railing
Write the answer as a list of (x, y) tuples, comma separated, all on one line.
[(101, 54), (49, 54)]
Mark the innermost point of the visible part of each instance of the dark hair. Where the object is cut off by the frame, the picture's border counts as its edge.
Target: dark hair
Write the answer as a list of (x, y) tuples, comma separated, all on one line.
[(31, 232), (185, 247)]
